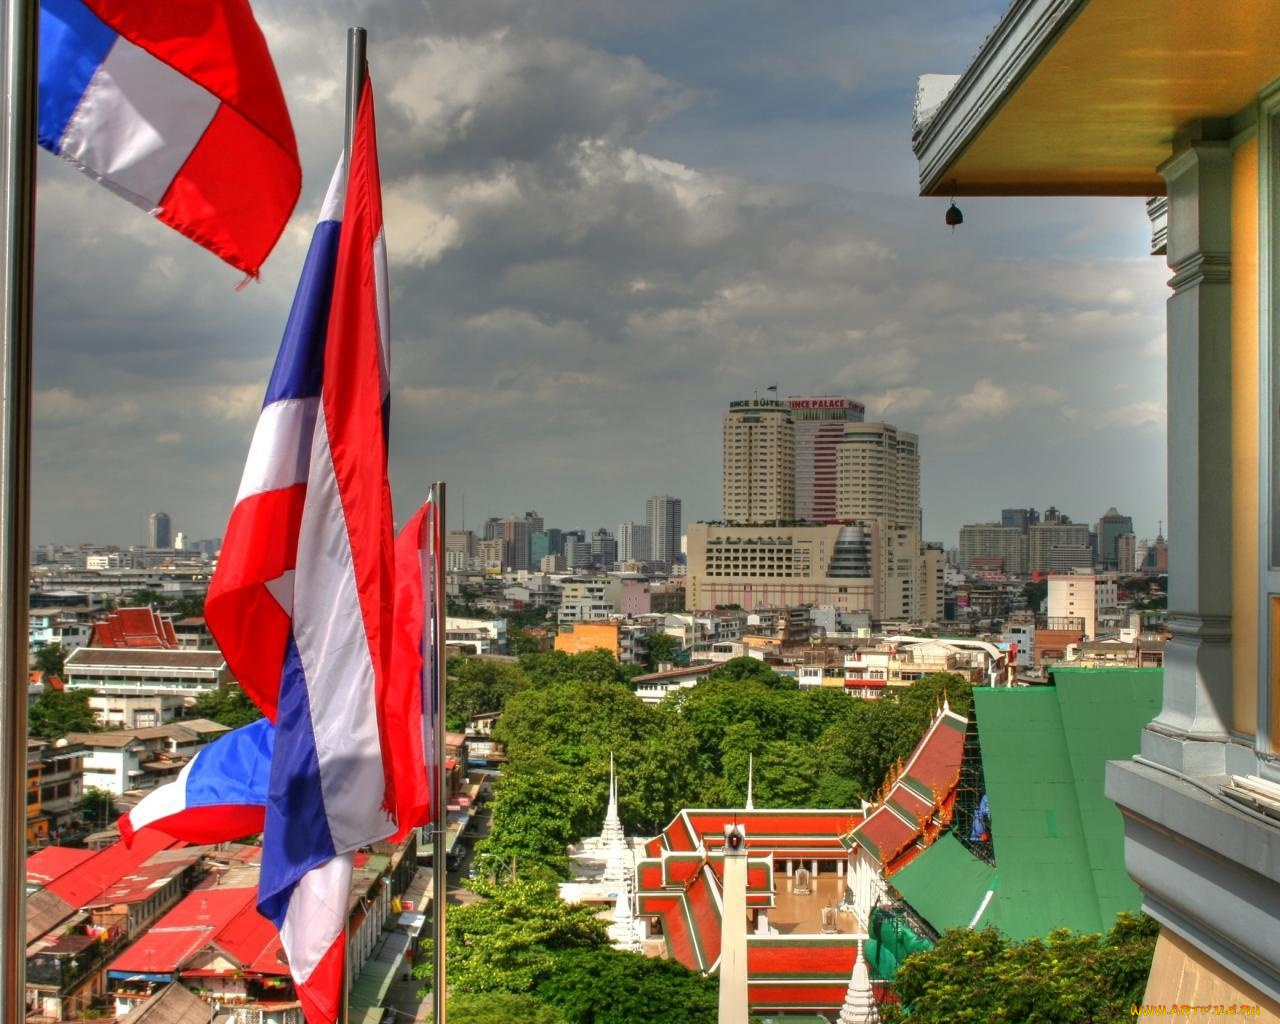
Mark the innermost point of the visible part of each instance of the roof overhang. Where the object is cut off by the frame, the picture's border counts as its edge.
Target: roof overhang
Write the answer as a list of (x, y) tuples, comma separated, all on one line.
[(1086, 97)]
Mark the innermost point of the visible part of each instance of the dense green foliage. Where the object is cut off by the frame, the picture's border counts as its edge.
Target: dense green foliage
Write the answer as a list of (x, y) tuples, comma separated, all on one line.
[(1064, 979), (563, 716), (227, 705), (476, 686), (525, 951), (49, 660), (59, 712)]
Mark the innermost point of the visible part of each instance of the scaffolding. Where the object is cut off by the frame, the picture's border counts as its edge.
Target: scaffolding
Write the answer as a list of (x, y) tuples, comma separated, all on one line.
[(970, 791)]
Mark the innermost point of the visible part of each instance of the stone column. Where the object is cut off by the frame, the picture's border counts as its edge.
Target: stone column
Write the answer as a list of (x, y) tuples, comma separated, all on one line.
[(1198, 667)]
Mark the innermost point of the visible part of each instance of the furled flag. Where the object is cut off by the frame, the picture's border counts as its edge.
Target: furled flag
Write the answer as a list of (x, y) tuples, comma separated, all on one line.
[(301, 600), (409, 720), (219, 796), (177, 108)]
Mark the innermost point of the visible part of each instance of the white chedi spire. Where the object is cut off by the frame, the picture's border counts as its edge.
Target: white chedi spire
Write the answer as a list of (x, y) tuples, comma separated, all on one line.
[(612, 823), (623, 933), (859, 1002)]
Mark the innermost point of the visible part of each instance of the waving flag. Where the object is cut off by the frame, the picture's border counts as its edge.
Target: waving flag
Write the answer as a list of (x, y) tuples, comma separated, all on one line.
[(220, 795), (177, 108), (301, 601)]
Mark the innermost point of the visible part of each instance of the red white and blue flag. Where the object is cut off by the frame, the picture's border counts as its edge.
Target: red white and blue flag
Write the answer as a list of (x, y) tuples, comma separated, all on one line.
[(220, 795), (301, 602), (176, 107)]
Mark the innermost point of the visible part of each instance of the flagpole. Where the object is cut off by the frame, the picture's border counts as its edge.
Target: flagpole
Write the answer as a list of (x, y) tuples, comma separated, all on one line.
[(357, 72), (18, 152), (439, 868)]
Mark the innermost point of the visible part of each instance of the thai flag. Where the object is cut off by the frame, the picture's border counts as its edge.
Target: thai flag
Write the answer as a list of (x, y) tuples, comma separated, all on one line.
[(301, 601), (177, 108), (219, 796)]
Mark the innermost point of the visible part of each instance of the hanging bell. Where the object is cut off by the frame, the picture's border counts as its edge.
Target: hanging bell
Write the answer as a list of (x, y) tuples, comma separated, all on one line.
[(954, 216)]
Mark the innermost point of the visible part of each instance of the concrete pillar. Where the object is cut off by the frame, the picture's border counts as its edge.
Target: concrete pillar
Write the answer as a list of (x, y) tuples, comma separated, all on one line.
[(1198, 666), (733, 942)]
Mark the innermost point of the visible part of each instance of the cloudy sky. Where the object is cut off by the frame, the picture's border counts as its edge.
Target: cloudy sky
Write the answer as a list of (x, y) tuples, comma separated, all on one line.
[(606, 221)]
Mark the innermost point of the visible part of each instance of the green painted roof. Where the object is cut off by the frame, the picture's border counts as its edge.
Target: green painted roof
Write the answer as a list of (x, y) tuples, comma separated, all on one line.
[(946, 885), (1058, 841)]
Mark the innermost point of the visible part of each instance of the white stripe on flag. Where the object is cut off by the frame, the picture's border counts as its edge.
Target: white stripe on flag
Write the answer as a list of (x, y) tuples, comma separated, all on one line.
[(317, 914), (280, 451), (330, 633), (137, 124)]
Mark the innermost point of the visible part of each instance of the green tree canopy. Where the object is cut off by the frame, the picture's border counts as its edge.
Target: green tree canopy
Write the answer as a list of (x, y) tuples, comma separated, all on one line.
[(59, 712), (974, 976), (227, 705), (608, 986), (49, 659), (477, 686), (500, 1008)]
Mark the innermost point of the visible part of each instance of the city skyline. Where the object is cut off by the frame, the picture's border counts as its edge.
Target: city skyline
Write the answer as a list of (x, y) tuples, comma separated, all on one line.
[(691, 206)]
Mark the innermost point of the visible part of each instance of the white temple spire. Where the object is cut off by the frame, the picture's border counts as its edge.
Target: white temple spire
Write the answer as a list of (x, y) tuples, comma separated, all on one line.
[(859, 1001)]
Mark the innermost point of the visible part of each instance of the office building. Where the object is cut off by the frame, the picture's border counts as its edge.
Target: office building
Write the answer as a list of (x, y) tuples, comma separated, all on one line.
[(633, 543), (759, 462), (1058, 545), (983, 543), (1111, 527), (159, 530), (819, 422), (662, 514)]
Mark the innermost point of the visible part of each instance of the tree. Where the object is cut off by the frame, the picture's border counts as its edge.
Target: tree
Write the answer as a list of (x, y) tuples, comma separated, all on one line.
[(145, 598), (98, 807), (509, 942), (476, 686), (227, 705), (59, 712), (976, 976), (608, 986), (662, 650), (500, 1008), (49, 659)]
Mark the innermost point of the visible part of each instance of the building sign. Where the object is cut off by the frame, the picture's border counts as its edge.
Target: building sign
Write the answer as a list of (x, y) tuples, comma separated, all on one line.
[(824, 403)]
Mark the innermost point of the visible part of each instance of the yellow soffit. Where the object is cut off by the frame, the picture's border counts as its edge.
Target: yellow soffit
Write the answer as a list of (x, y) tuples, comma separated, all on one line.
[(1084, 97)]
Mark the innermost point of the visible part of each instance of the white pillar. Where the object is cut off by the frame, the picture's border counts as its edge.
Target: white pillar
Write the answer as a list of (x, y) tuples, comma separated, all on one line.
[(733, 942)]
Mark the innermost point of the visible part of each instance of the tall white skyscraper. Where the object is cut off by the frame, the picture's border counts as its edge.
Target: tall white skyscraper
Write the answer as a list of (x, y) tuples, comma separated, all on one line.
[(662, 515), (759, 462), (634, 543), (819, 428)]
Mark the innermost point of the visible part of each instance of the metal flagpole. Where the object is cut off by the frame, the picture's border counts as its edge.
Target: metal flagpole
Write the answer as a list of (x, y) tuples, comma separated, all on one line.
[(357, 72), (18, 152), (439, 867)]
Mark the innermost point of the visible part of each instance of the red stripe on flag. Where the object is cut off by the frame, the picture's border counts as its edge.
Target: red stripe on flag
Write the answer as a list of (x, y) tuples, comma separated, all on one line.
[(353, 398), (249, 624), (321, 993)]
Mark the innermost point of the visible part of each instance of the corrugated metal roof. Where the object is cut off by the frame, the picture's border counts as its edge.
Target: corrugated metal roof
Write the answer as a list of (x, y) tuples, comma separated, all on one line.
[(1058, 841), (171, 1005), (86, 882)]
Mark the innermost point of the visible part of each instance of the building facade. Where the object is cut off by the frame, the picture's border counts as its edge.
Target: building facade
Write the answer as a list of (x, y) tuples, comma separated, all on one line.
[(987, 540), (819, 428), (1036, 113), (759, 462), (663, 517)]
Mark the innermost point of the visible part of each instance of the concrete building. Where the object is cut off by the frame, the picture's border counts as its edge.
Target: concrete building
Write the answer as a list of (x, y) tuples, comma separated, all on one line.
[(819, 428), (590, 599), (664, 518), (1111, 527), (984, 540), (1058, 547), (759, 462), (878, 474), (633, 543), (1123, 98), (1083, 597), (136, 688), (159, 530)]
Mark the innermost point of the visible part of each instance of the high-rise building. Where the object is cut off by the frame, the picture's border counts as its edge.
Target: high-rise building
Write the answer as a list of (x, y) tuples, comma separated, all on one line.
[(159, 529), (819, 422), (981, 542), (604, 549), (634, 543), (878, 473), (1111, 527), (515, 534), (662, 515), (1022, 518), (759, 462), (1058, 545), (543, 543)]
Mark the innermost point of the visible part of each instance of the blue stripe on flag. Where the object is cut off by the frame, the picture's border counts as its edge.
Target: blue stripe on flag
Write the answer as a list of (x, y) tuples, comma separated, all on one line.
[(299, 368), (296, 836), (234, 769), (73, 44)]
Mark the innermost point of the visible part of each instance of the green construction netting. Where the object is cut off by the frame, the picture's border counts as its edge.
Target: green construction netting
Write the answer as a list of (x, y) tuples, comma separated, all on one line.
[(891, 940)]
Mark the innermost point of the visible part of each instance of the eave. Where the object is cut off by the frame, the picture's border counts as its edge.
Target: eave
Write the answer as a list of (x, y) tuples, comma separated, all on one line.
[(1086, 97)]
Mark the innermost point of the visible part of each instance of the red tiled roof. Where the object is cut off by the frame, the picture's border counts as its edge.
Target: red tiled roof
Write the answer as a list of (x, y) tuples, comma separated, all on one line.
[(135, 627)]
